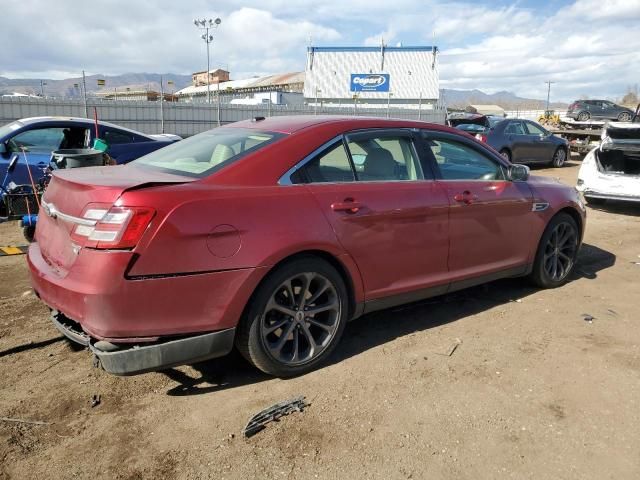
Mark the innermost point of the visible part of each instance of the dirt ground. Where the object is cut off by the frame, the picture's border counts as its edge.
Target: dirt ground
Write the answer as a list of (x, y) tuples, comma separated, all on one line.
[(532, 391)]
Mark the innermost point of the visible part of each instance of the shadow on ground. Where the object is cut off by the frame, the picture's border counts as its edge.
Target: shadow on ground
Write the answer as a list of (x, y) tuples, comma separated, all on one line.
[(385, 326), (630, 209)]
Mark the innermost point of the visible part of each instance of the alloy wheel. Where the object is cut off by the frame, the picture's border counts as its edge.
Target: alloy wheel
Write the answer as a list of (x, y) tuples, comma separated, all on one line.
[(300, 318), (560, 251), (624, 117), (559, 157)]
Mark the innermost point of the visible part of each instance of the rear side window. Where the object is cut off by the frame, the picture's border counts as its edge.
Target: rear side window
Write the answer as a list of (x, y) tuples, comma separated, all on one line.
[(457, 161), (515, 128), (208, 152), (117, 137), (330, 166)]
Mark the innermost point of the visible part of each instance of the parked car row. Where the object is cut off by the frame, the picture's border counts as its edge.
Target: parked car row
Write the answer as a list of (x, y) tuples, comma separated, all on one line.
[(517, 140)]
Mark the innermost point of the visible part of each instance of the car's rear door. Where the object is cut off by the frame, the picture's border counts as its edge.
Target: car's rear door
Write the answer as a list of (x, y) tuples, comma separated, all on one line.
[(490, 216), (542, 146), (518, 140), (387, 213)]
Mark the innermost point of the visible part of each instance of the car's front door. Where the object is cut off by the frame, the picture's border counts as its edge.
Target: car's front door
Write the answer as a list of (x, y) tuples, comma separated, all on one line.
[(387, 214), (490, 216)]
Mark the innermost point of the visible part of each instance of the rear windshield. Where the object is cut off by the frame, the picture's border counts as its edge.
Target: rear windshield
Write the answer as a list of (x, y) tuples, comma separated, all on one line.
[(208, 152)]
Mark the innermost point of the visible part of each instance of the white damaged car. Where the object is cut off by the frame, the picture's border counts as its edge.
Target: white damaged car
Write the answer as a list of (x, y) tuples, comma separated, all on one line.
[(612, 170)]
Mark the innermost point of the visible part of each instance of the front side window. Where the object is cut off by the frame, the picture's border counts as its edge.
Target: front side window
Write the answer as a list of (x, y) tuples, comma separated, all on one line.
[(46, 140), (384, 157), (457, 161), (208, 152)]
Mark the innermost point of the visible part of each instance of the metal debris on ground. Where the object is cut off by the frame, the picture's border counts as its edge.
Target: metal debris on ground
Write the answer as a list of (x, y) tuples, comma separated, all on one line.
[(452, 348), (20, 420), (273, 414), (588, 318), (95, 401)]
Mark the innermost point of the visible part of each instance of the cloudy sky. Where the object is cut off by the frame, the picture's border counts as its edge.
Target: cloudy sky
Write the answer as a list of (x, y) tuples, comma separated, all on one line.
[(588, 47)]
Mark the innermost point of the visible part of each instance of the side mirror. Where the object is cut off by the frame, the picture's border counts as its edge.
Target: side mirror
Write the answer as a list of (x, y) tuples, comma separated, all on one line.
[(518, 173), (3, 148), (12, 164)]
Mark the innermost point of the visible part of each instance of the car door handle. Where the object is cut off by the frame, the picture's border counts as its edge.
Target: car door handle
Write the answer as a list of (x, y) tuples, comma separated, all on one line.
[(349, 205), (465, 197)]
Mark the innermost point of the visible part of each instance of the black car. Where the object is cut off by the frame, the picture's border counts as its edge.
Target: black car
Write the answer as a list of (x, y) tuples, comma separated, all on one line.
[(585, 110), (525, 141)]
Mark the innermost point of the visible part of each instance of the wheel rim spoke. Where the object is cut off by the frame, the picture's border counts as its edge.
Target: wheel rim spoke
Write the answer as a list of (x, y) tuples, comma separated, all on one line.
[(301, 318), (559, 252)]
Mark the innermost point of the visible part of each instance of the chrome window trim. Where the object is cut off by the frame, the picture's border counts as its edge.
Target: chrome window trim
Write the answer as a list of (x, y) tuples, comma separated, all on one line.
[(285, 179)]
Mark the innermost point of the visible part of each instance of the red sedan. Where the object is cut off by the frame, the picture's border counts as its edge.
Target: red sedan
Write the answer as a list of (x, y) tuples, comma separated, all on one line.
[(271, 234)]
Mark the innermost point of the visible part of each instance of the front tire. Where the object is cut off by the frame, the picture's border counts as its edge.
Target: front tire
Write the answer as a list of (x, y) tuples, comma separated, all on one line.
[(295, 318), (559, 157), (506, 154), (595, 201), (557, 252)]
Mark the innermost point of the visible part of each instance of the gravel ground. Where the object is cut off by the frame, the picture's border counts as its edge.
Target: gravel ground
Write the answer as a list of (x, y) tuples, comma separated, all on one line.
[(531, 391)]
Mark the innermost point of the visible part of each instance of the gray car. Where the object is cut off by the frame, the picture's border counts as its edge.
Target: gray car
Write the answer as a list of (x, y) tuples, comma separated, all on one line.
[(585, 110), (525, 141)]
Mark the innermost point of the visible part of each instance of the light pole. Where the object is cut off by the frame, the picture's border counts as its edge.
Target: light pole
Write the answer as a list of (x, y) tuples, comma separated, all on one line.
[(206, 25), (548, 92), (42, 84)]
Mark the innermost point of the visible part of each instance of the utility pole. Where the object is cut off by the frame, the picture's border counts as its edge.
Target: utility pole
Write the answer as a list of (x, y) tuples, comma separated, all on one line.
[(206, 25), (548, 82), (84, 90), (161, 106)]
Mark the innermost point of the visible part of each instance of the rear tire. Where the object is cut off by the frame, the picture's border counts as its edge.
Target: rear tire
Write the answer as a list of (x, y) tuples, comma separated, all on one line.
[(559, 157), (279, 333), (29, 233), (557, 252), (624, 117), (584, 116), (506, 154)]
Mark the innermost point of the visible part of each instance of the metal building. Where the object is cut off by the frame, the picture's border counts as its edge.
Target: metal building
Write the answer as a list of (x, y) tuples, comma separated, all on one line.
[(372, 75)]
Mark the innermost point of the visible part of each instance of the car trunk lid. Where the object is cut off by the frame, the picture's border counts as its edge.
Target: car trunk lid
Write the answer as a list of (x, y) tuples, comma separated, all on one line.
[(69, 193)]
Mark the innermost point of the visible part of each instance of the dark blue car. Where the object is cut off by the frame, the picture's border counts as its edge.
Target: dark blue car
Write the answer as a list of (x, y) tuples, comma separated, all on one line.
[(36, 138)]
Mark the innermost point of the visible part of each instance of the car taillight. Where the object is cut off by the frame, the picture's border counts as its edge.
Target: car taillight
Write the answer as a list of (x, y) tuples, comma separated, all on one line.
[(115, 227), (482, 137)]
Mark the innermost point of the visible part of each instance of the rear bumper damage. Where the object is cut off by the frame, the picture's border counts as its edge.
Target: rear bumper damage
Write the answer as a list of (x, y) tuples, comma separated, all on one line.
[(133, 359)]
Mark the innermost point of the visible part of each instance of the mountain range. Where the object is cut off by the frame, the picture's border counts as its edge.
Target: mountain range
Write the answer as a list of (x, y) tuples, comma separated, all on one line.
[(151, 81)]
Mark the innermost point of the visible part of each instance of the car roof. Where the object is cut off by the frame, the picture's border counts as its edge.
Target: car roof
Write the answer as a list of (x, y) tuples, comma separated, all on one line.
[(295, 123), (79, 120)]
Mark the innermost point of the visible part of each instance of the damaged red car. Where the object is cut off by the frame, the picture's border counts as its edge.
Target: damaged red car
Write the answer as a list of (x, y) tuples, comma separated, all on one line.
[(270, 234)]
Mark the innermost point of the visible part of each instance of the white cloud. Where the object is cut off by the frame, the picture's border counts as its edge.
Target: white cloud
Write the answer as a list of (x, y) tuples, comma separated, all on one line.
[(589, 46)]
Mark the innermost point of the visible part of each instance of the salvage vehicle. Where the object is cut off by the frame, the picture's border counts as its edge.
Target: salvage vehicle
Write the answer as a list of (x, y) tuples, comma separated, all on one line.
[(583, 110), (33, 139), (612, 170), (525, 141), (270, 234)]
